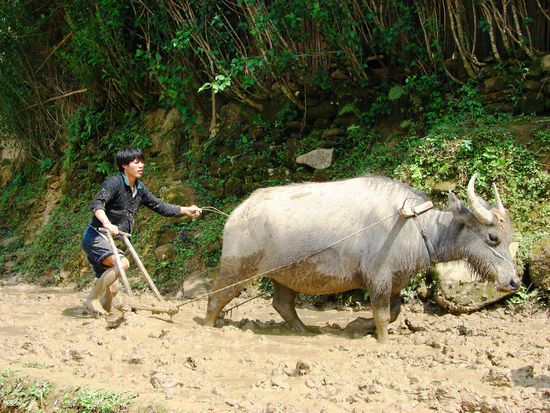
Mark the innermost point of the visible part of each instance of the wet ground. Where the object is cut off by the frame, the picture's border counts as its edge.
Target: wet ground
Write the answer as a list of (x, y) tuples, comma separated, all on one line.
[(495, 360)]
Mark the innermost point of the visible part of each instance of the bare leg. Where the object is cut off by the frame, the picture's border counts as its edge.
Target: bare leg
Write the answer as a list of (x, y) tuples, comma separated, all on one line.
[(111, 284), (92, 301), (107, 299), (102, 288), (283, 301)]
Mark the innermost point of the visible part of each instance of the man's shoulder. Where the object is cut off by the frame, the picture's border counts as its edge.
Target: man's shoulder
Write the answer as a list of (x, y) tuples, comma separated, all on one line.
[(113, 181)]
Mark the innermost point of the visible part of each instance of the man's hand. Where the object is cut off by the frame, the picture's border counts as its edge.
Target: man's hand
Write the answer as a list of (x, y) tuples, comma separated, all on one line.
[(112, 228), (191, 211)]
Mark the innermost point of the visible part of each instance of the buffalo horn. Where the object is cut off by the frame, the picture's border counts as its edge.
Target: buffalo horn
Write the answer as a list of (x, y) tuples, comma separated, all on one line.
[(500, 207), (482, 214)]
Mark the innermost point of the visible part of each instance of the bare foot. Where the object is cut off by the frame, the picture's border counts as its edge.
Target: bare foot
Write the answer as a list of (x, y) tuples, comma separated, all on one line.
[(94, 306)]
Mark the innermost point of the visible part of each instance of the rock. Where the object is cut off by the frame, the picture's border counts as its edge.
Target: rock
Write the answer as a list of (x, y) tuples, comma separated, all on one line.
[(172, 120), (523, 376), (176, 192), (497, 378), (233, 186), (135, 359), (531, 85), (545, 63), (338, 75), (539, 264), (280, 383), (499, 107), (9, 242), (318, 158), (194, 286), (333, 132), (534, 72), (232, 114), (492, 84), (321, 123), (64, 274), (164, 381), (325, 109), (458, 291), (166, 252), (302, 368), (531, 103)]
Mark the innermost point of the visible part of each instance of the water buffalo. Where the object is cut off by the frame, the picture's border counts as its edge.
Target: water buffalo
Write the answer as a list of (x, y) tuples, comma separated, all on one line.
[(337, 236)]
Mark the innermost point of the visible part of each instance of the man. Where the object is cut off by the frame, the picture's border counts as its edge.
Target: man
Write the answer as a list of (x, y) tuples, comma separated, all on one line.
[(113, 208)]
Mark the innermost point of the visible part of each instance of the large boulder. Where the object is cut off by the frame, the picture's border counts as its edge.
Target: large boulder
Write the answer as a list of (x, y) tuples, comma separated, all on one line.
[(539, 264), (461, 291)]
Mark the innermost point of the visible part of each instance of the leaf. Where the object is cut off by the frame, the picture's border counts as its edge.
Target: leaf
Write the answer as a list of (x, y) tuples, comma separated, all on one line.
[(207, 85), (396, 92)]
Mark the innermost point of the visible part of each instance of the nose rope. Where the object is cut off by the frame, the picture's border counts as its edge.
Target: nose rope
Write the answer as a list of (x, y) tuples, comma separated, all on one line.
[(498, 254)]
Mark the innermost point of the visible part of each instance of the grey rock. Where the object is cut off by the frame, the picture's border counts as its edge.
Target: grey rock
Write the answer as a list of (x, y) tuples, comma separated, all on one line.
[(318, 158)]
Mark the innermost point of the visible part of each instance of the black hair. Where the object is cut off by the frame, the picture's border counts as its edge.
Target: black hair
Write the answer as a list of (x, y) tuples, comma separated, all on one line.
[(127, 155)]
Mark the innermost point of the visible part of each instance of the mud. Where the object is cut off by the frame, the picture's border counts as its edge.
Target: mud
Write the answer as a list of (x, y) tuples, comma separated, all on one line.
[(494, 360)]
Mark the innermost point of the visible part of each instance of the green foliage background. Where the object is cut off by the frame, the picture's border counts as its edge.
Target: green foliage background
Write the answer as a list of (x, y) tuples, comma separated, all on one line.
[(77, 78)]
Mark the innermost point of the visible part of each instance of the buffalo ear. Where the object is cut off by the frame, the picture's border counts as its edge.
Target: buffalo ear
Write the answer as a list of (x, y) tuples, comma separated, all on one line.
[(458, 209)]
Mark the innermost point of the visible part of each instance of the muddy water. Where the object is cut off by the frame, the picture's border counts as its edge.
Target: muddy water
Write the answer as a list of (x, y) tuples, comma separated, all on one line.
[(495, 360)]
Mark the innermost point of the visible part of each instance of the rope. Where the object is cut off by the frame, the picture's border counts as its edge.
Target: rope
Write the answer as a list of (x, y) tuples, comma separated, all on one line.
[(213, 209), (285, 265), (498, 254), (244, 302)]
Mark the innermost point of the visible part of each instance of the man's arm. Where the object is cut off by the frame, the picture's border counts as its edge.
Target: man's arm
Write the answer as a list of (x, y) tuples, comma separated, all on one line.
[(102, 216), (104, 195), (166, 209)]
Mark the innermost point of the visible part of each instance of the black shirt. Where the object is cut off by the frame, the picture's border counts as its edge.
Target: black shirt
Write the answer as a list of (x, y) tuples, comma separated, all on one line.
[(120, 205)]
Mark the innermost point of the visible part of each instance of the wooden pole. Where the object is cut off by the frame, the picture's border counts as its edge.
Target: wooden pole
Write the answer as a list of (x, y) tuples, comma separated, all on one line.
[(141, 267), (117, 261)]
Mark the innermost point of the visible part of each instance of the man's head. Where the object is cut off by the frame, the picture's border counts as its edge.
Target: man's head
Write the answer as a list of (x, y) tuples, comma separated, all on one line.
[(127, 155)]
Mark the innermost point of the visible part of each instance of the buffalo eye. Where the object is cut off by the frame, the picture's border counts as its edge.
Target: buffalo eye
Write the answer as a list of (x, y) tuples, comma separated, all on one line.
[(494, 239)]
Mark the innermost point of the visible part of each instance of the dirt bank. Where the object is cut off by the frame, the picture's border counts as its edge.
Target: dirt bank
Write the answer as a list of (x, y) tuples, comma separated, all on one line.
[(496, 360)]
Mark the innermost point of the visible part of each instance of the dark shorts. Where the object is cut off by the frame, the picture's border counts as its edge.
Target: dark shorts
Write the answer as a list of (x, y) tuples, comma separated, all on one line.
[(97, 248)]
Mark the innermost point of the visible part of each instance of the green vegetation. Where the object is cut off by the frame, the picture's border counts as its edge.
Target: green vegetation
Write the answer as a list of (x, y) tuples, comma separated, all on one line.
[(92, 401), (21, 394), (224, 95), (18, 394)]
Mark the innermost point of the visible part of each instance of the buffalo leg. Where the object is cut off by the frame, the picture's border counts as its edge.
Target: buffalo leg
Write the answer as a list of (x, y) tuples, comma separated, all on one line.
[(368, 324), (218, 300), (283, 302), (384, 313)]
